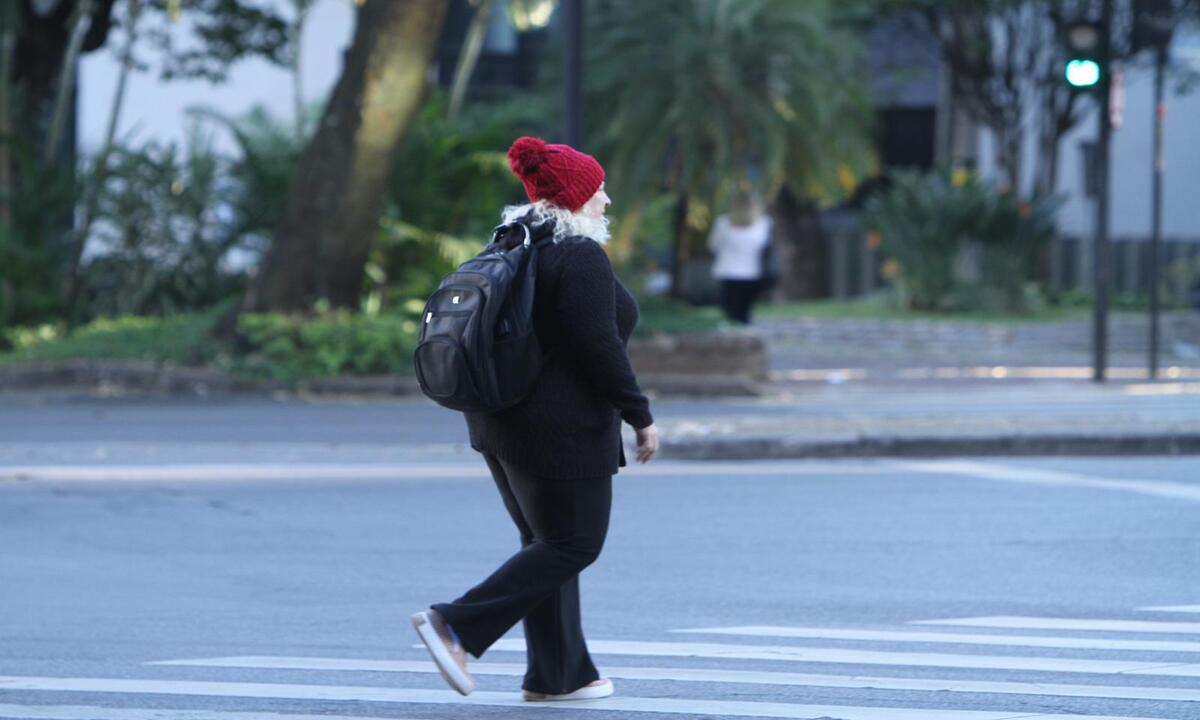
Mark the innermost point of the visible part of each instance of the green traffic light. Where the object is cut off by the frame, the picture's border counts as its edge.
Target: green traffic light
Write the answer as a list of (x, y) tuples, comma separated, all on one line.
[(1083, 73)]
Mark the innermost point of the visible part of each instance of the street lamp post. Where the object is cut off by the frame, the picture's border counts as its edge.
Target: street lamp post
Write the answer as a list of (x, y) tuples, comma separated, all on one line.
[(1160, 112), (1154, 23), (1103, 270), (573, 67)]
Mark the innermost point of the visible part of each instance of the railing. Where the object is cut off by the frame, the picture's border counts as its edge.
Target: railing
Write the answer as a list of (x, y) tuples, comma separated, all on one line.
[(855, 266)]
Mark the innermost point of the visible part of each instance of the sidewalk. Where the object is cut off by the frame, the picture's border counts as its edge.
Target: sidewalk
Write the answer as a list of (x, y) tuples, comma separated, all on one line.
[(800, 414), (936, 418)]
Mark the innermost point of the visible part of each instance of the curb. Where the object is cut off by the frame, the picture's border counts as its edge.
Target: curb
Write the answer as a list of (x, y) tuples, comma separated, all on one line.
[(134, 377), (778, 448)]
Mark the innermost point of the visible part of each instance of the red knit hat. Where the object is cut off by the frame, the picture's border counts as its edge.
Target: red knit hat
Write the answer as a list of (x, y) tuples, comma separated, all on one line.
[(558, 174)]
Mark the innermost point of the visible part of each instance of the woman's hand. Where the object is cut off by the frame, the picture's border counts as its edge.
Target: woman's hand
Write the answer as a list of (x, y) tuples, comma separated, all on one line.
[(647, 443)]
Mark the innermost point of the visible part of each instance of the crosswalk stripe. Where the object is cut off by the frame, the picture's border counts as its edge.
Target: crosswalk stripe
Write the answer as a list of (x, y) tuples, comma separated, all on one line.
[(369, 471), (239, 471), (711, 675), (733, 708), (1172, 608), (953, 638), (1014, 473), (94, 712), (871, 657), (1043, 623)]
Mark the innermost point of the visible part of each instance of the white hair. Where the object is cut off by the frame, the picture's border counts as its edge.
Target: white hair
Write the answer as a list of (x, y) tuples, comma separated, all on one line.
[(566, 223)]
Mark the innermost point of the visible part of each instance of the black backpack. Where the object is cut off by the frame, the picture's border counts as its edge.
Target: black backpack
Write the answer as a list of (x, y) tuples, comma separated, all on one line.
[(476, 349)]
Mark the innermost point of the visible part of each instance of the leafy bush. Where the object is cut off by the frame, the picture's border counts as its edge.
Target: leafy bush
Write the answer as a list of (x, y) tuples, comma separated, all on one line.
[(338, 342), (961, 244), (159, 239), (260, 177), (32, 253), (451, 181), (662, 314), (175, 224), (181, 339)]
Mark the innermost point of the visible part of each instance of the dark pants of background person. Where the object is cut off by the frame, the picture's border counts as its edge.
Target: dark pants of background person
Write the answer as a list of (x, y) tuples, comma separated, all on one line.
[(562, 524), (737, 297)]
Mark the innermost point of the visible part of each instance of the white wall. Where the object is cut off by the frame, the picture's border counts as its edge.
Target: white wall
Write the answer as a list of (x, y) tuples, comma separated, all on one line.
[(1131, 159), (158, 110)]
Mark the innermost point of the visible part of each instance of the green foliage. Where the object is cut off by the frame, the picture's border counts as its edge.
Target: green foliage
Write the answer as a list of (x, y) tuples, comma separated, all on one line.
[(450, 183), (705, 94), (261, 174), (338, 342), (1183, 281), (221, 33), (162, 231), (32, 252), (172, 220), (959, 244), (182, 340), (662, 314)]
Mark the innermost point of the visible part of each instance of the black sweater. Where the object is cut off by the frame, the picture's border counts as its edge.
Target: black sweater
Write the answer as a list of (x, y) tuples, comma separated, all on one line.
[(569, 426)]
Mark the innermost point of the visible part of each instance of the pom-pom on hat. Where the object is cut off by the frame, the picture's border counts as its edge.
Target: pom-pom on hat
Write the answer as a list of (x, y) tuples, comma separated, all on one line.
[(558, 174)]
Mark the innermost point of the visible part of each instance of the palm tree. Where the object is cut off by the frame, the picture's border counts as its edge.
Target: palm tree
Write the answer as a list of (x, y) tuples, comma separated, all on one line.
[(700, 96)]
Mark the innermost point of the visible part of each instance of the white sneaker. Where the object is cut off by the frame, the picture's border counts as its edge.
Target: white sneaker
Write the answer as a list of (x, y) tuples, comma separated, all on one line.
[(601, 688), (449, 656)]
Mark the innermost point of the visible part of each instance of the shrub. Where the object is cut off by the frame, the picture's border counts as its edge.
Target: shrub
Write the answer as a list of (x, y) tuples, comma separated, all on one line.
[(450, 182), (662, 314), (32, 253), (180, 339), (959, 243), (288, 348)]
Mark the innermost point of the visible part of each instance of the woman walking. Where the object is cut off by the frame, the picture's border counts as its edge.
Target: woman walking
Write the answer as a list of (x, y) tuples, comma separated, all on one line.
[(739, 240), (553, 455)]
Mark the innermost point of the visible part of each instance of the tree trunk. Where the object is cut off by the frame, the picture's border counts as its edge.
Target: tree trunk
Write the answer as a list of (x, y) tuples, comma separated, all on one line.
[(81, 20), (91, 194), (322, 243), (8, 39), (468, 57), (806, 256), (8, 34), (296, 31), (41, 46), (679, 248), (1008, 154)]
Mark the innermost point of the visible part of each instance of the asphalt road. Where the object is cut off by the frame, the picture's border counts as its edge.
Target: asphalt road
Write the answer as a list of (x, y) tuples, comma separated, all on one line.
[(166, 561), (40, 430)]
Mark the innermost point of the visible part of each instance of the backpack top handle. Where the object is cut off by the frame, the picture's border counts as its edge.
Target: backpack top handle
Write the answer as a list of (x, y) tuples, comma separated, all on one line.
[(505, 228)]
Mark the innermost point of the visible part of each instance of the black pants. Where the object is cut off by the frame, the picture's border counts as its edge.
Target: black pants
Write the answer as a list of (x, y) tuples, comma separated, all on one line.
[(737, 297), (562, 524)]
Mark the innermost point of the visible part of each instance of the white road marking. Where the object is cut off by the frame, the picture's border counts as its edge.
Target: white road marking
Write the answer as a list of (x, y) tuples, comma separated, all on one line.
[(1171, 608), (709, 675), (1011, 473), (367, 471), (736, 708), (693, 468), (240, 471), (1047, 623), (94, 712), (873, 657), (953, 638)]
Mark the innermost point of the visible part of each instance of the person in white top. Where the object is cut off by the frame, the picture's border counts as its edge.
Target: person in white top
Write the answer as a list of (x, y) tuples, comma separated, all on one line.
[(737, 239)]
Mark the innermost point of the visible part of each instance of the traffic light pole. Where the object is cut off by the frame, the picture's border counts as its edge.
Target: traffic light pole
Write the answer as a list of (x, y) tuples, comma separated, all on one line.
[(1102, 249), (1160, 112)]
